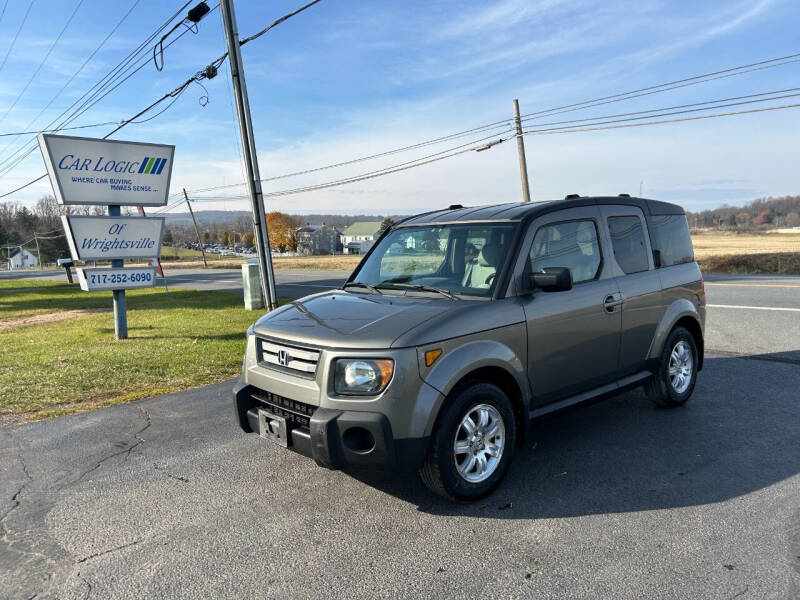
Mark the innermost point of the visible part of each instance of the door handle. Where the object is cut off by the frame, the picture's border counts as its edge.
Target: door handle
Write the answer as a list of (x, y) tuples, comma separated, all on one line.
[(612, 301)]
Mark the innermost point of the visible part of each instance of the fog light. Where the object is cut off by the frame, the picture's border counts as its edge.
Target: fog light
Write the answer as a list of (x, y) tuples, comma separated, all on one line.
[(359, 440)]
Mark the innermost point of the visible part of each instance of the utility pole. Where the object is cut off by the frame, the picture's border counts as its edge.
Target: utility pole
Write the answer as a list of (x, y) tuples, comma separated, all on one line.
[(197, 231), (249, 154), (38, 252), (523, 165)]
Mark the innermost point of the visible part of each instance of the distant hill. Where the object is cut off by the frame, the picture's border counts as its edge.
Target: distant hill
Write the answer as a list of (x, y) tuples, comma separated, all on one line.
[(205, 217), (762, 213), (223, 217)]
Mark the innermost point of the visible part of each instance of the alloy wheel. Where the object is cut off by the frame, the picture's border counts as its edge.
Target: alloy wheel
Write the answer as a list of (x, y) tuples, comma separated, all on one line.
[(479, 442)]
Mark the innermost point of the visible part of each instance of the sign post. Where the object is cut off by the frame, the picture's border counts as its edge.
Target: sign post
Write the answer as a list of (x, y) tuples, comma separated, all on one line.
[(88, 171), (120, 307)]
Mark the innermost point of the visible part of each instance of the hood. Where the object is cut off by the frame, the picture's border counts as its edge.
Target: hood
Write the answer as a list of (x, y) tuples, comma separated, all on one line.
[(340, 319)]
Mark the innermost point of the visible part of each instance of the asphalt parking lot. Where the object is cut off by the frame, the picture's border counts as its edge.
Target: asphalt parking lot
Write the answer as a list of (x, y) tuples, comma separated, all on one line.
[(166, 497)]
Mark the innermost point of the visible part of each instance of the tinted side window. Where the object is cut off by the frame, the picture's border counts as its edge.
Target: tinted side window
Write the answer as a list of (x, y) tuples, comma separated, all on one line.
[(627, 241), (571, 244), (671, 239)]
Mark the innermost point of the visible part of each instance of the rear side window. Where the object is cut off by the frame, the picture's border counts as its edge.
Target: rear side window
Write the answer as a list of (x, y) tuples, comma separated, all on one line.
[(572, 244), (627, 241), (673, 244)]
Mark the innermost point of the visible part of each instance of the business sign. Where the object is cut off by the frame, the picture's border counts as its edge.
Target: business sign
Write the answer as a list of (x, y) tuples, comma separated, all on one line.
[(91, 171), (111, 238), (116, 278)]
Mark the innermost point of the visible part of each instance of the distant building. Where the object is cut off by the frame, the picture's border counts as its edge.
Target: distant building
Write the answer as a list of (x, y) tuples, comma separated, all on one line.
[(304, 244), (23, 259), (359, 237), (319, 240)]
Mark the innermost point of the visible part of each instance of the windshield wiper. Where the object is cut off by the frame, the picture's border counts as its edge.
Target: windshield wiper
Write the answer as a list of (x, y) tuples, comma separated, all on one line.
[(424, 288), (361, 284)]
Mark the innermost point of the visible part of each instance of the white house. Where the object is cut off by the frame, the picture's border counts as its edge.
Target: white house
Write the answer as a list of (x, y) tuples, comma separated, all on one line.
[(359, 237), (23, 259)]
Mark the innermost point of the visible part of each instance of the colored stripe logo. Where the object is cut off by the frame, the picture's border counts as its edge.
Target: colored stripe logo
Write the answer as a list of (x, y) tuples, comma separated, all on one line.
[(152, 166)]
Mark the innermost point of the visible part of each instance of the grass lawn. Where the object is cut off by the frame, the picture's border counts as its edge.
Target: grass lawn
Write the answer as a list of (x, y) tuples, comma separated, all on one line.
[(58, 354)]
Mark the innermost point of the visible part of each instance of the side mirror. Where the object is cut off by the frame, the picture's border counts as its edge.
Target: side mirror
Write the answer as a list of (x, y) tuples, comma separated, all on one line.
[(551, 279)]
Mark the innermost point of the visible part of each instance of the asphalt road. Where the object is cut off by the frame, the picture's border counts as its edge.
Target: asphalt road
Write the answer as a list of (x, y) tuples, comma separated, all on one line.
[(166, 497)]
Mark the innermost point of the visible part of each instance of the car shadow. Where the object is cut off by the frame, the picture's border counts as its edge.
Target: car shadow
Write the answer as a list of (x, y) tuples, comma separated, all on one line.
[(738, 434)]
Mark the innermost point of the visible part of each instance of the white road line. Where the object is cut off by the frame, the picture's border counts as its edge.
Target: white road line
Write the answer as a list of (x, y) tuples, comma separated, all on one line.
[(753, 307)]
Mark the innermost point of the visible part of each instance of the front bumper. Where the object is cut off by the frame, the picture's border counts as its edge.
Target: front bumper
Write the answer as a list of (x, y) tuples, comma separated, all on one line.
[(335, 439)]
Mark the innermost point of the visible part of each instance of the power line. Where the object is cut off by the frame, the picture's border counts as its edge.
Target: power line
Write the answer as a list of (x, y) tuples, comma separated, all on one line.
[(719, 103), (682, 119), (209, 72), (431, 158), (90, 97), (43, 61), (438, 156), (707, 105), (556, 111), (285, 17), (694, 78), (407, 166), (160, 44), (60, 129), (93, 99), (76, 114), (3, 12), (80, 69), (175, 94), (369, 157), (391, 170), (14, 41)]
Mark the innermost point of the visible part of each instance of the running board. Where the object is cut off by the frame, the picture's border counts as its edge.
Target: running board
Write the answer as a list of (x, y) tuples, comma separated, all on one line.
[(610, 388)]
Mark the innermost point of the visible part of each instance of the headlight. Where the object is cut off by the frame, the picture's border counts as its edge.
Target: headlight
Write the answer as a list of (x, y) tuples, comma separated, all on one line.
[(362, 376)]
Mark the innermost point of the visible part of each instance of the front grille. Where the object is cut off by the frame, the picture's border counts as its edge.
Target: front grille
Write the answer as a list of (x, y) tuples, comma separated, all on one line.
[(296, 413), (290, 358)]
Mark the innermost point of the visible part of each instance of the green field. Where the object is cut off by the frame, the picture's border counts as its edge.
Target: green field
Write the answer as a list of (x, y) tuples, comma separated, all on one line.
[(58, 354)]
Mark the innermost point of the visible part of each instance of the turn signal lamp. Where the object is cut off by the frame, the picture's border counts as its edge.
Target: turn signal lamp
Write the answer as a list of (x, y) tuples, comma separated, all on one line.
[(431, 356)]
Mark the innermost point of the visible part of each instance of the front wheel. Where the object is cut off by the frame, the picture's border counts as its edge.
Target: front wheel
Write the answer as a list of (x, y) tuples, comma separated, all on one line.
[(673, 383), (472, 444)]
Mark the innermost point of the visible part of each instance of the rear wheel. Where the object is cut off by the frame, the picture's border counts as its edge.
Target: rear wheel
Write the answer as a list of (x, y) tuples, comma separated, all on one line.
[(472, 444), (673, 383)]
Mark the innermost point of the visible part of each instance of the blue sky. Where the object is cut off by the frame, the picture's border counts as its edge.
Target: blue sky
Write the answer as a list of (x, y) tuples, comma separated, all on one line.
[(352, 78)]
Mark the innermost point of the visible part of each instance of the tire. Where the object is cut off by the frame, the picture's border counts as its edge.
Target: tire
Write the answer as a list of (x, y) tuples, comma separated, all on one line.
[(448, 472), (679, 355)]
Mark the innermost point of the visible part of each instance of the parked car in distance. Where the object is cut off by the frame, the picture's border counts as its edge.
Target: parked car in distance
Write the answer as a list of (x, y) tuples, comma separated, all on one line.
[(459, 326)]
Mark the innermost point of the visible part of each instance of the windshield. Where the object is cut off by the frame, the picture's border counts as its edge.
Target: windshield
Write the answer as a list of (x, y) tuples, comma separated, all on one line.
[(457, 259)]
